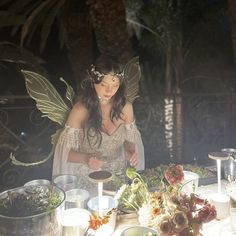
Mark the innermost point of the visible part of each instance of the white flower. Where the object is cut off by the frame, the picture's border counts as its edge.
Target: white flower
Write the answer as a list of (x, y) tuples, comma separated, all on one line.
[(120, 191), (144, 214)]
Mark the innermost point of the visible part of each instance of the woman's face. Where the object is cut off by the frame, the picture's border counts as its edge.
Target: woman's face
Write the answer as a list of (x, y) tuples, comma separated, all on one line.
[(108, 87)]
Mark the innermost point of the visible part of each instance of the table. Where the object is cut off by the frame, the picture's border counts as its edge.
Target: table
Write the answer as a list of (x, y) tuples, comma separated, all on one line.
[(213, 228)]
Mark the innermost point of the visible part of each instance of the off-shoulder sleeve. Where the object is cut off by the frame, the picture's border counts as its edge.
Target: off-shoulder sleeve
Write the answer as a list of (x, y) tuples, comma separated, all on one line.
[(70, 139), (133, 135), (131, 132)]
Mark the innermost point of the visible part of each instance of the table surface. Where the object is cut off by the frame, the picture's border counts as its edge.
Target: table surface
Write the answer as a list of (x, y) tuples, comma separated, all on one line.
[(213, 228)]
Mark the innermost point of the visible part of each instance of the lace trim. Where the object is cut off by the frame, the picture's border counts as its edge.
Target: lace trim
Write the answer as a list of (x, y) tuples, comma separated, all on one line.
[(131, 132), (71, 137)]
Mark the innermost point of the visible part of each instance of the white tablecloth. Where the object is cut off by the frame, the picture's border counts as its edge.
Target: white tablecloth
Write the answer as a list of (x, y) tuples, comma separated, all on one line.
[(213, 228)]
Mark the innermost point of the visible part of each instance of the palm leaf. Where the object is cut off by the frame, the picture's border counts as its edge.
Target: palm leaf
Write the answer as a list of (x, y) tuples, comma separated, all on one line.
[(10, 52), (20, 6), (31, 18), (132, 73), (48, 22), (48, 100), (10, 19)]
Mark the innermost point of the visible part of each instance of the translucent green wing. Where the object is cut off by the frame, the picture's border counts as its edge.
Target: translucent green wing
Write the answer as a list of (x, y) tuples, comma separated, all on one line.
[(48, 100), (50, 103), (132, 73)]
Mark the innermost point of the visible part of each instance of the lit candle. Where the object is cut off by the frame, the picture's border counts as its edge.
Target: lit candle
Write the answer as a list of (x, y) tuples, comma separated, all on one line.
[(219, 200), (218, 156), (75, 221), (218, 163), (100, 189)]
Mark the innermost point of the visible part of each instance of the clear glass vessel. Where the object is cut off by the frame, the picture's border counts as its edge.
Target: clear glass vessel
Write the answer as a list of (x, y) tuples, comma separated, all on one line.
[(32, 211)]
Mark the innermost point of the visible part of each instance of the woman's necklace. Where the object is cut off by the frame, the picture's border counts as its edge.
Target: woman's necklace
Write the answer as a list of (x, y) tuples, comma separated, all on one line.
[(103, 101)]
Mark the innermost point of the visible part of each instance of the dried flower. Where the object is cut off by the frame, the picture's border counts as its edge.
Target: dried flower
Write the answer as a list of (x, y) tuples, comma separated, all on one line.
[(207, 213), (165, 226), (174, 174), (180, 220), (97, 221), (168, 210)]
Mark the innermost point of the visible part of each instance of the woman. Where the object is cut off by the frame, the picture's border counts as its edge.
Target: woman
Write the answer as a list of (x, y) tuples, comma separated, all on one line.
[(100, 132)]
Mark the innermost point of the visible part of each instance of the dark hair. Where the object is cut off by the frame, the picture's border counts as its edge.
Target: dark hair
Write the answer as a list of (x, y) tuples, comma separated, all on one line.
[(89, 98)]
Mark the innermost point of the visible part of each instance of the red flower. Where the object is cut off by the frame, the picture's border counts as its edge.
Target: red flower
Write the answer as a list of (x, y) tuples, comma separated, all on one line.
[(197, 200), (207, 213), (174, 174)]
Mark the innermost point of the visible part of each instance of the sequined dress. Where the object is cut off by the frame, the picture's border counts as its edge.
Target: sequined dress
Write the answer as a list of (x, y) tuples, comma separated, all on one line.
[(111, 151)]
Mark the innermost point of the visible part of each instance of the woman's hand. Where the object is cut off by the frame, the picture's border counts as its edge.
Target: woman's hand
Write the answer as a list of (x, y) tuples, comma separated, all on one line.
[(94, 163), (132, 158), (130, 153)]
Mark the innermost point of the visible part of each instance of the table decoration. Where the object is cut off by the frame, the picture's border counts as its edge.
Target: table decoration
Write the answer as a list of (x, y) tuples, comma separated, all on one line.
[(167, 209), (77, 198), (219, 199), (231, 191), (75, 221), (31, 211), (230, 164), (100, 177), (104, 213), (139, 231), (38, 182), (190, 182), (66, 182)]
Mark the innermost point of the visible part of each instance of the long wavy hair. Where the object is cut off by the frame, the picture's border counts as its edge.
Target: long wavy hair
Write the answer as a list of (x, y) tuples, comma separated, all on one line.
[(90, 100)]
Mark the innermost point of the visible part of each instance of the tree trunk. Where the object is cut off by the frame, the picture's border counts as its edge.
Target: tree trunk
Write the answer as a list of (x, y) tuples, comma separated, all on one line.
[(168, 70), (78, 39), (232, 19), (109, 23)]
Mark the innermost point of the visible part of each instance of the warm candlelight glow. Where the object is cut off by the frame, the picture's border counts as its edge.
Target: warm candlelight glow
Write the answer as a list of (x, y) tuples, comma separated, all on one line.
[(218, 163), (100, 204)]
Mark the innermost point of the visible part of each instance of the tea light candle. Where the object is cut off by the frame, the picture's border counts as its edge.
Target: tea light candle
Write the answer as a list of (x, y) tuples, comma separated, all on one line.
[(100, 177), (221, 203), (75, 221), (218, 156)]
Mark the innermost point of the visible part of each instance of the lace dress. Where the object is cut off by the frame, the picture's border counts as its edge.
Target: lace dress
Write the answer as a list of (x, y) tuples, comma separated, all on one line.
[(110, 151)]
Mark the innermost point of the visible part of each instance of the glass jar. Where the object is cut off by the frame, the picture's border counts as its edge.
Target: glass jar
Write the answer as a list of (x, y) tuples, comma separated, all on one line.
[(230, 164), (46, 223)]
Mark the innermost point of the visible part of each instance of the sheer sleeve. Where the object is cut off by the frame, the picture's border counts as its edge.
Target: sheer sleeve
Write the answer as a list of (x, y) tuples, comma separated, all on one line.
[(70, 138), (133, 135)]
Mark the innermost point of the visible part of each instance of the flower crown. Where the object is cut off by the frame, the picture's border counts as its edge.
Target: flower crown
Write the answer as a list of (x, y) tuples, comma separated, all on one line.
[(101, 75)]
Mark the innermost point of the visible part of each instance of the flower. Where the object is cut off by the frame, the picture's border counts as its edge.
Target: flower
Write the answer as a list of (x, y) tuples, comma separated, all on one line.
[(168, 209), (174, 174), (165, 226), (207, 213), (96, 221)]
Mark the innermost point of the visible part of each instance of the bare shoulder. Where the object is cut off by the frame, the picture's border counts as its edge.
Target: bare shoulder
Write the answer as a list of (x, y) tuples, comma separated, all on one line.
[(128, 113), (77, 116)]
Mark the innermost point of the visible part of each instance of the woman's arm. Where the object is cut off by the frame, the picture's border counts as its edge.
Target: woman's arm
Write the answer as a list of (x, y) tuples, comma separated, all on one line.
[(129, 146), (77, 119)]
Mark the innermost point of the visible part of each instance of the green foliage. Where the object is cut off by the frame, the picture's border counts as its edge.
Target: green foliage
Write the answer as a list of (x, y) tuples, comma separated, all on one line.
[(37, 14), (188, 30), (9, 19), (30, 201), (10, 52), (132, 73)]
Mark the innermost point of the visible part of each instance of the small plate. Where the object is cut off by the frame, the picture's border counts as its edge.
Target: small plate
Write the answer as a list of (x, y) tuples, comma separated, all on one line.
[(139, 231)]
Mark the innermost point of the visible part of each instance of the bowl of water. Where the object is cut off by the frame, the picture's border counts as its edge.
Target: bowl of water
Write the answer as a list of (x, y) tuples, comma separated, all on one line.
[(105, 205), (66, 182), (139, 231), (77, 198)]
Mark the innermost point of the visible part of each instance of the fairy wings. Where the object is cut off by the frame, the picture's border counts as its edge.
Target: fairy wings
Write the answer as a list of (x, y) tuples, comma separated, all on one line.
[(51, 104)]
